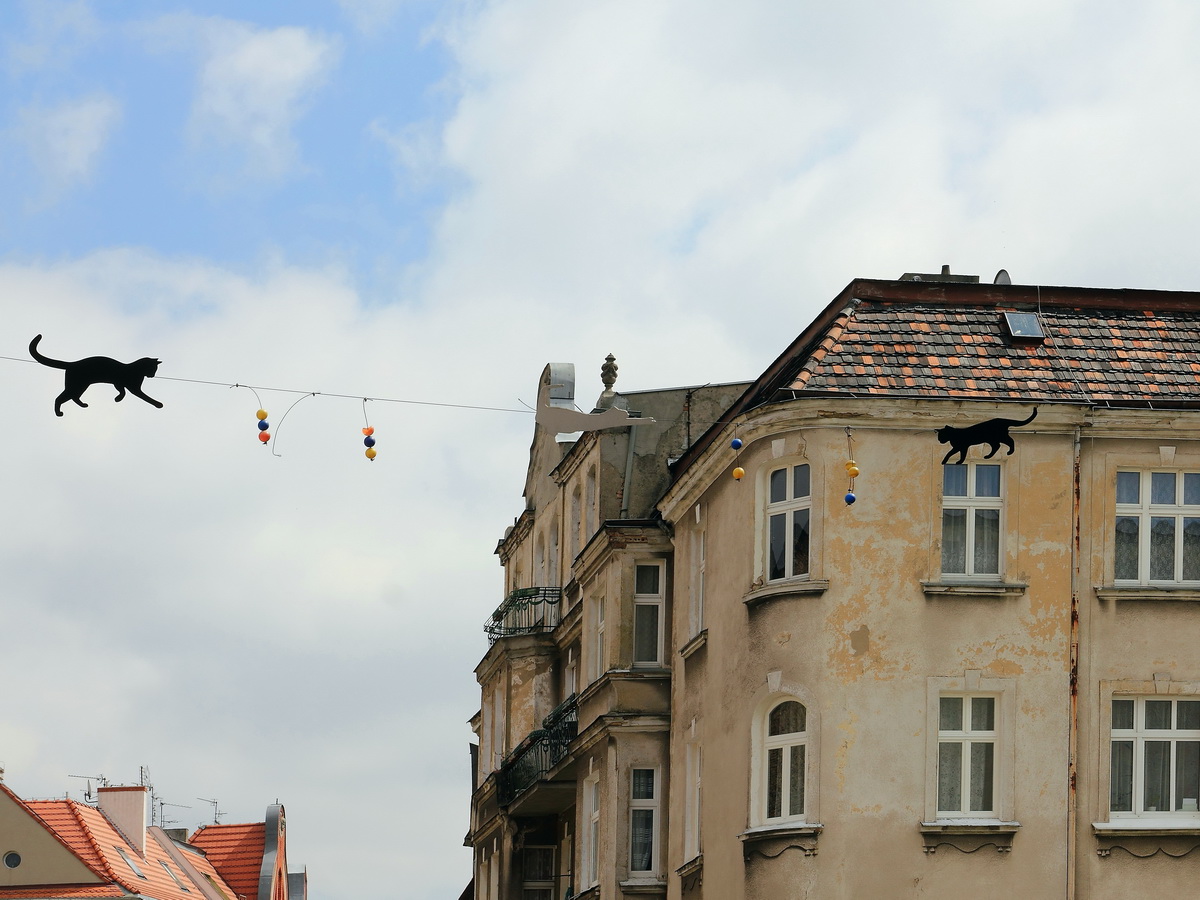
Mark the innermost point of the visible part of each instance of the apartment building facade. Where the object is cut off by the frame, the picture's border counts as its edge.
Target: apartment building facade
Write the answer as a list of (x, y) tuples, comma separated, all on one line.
[(852, 640)]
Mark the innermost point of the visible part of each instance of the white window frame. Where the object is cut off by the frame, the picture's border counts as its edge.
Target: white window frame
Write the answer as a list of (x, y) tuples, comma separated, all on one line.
[(972, 683), (597, 650), (643, 804), (969, 735), (972, 504), (1145, 511), (656, 603), (1139, 736), (785, 509), (537, 884), (590, 845), (786, 745)]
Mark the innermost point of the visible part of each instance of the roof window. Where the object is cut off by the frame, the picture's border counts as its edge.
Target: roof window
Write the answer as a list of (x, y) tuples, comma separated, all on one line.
[(129, 862), (1024, 326)]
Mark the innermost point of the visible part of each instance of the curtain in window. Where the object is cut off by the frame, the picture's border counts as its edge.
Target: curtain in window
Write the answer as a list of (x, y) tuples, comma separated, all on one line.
[(642, 842)]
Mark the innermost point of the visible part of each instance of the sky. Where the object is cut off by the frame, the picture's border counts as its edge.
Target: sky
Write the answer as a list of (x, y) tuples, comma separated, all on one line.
[(394, 213)]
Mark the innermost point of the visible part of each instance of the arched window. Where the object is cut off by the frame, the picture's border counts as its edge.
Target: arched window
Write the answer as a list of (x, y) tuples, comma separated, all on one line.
[(784, 762)]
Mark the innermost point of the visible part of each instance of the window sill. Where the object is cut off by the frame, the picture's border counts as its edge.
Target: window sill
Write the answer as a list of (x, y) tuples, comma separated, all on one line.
[(691, 867), (968, 835), (794, 588), (1147, 828), (1146, 592), (643, 886), (973, 589), (694, 644), (795, 836)]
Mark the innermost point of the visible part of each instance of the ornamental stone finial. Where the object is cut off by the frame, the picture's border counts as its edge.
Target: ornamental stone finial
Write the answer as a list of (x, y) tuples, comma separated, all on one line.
[(608, 375)]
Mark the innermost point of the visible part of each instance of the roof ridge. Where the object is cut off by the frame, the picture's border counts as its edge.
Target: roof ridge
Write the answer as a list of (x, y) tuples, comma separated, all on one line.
[(87, 830)]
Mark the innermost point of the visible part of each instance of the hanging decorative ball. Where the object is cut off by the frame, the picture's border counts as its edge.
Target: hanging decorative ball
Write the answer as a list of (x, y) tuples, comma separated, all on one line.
[(368, 431), (370, 454), (369, 441), (739, 473), (852, 470), (262, 414), (263, 425), (736, 443), (264, 436), (850, 498)]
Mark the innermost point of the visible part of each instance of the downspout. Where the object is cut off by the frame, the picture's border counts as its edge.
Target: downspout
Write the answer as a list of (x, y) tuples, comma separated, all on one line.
[(628, 473), (1073, 725)]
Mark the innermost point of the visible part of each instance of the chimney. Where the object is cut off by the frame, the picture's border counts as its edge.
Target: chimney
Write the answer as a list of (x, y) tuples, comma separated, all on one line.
[(126, 808)]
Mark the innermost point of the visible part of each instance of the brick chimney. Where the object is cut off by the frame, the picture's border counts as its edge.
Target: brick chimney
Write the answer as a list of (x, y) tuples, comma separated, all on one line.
[(126, 808)]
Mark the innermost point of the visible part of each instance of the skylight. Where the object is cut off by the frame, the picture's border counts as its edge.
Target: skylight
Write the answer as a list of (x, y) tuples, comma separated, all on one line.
[(1024, 325)]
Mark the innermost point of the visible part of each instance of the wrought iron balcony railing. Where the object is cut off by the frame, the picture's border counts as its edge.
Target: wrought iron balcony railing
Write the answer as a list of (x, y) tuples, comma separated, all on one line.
[(540, 752), (525, 611)]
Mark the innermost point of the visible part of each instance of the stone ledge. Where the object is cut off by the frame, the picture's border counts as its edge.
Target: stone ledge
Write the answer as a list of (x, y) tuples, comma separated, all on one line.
[(1146, 592), (780, 589), (986, 589)]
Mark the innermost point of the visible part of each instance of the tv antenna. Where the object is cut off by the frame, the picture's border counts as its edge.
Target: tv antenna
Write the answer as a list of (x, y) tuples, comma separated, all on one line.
[(217, 811), (163, 820), (99, 779)]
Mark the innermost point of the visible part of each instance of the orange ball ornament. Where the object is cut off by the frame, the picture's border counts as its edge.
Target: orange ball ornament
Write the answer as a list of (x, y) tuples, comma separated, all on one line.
[(368, 431), (264, 436)]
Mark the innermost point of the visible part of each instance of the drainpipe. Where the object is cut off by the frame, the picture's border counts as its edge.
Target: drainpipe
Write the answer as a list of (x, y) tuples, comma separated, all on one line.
[(628, 473), (1073, 725)]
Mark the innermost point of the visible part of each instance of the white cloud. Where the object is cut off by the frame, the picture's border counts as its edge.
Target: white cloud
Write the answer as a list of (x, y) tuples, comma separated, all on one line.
[(65, 141), (56, 34), (253, 86), (370, 16)]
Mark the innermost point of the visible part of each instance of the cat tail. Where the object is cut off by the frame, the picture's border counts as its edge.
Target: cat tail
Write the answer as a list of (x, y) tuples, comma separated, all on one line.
[(44, 360), (1032, 416)]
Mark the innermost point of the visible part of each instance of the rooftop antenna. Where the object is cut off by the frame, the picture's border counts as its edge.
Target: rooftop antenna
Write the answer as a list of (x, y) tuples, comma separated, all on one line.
[(99, 779), (163, 820), (217, 812)]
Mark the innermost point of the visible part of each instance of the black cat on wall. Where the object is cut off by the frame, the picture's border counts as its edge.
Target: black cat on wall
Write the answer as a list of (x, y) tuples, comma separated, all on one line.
[(993, 432), (81, 374)]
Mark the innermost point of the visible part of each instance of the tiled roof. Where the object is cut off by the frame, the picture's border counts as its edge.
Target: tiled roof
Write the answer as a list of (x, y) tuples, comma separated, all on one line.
[(1106, 356), (88, 834), (236, 851)]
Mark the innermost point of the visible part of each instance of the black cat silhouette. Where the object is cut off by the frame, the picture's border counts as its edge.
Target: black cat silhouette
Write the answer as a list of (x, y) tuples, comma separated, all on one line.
[(83, 373), (993, 432)]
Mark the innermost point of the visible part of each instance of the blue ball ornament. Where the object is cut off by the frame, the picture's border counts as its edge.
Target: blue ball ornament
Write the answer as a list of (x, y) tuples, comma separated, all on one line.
[(736, 443), (262, 425), (369, 441), (850, 498)]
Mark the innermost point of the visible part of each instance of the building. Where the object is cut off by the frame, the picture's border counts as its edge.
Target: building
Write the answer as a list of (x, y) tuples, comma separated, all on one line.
[(60, 849), (854, 642)]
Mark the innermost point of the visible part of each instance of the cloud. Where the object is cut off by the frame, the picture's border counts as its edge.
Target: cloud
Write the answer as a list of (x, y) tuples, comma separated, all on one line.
[(65, 141), (56, 34), (370, 16), (253, 87)]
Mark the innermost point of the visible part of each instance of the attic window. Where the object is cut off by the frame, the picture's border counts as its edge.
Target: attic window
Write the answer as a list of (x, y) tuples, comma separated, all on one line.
[(129, 862), (174, 877), (1024, 326)]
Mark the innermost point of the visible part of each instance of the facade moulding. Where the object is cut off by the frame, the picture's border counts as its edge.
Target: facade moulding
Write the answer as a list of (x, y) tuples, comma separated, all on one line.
[(782, 590)]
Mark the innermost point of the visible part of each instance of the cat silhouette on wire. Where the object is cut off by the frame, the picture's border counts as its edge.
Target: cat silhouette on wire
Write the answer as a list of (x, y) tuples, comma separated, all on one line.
[(81, 374), (993, 432)]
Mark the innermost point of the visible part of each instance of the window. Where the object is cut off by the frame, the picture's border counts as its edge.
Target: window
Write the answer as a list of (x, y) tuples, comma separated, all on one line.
[(174, 877), (966, 760), (129, 862), (597, 663), (1157, 527), (537, 871), (648, 614), (699, 551), (591, 840), (691, 803), (785, 746), (789, 504), (971, 519), (1155, 758), (643, 820)]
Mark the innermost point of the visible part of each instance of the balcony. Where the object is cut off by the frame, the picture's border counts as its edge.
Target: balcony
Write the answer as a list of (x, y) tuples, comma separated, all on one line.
[(525, 611), (539, 753)]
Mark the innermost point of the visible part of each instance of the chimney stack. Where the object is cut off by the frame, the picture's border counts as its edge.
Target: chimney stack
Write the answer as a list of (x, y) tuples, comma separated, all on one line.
[(126, 808)]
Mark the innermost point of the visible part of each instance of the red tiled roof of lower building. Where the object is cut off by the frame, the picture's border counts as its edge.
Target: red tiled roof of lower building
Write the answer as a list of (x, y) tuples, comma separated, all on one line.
[(1096, 356), (63, 891), (236, 852)]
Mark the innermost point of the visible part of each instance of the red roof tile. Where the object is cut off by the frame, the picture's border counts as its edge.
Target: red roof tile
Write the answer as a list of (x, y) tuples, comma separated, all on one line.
[(236, 851)]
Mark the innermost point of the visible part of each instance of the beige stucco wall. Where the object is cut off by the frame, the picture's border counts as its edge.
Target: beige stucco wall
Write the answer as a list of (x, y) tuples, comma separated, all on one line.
[(44, 860)]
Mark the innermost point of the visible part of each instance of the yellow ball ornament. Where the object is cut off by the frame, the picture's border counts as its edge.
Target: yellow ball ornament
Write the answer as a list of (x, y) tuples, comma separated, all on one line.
[(370, 454), (852, 471), (262, 414), (739, 473)]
